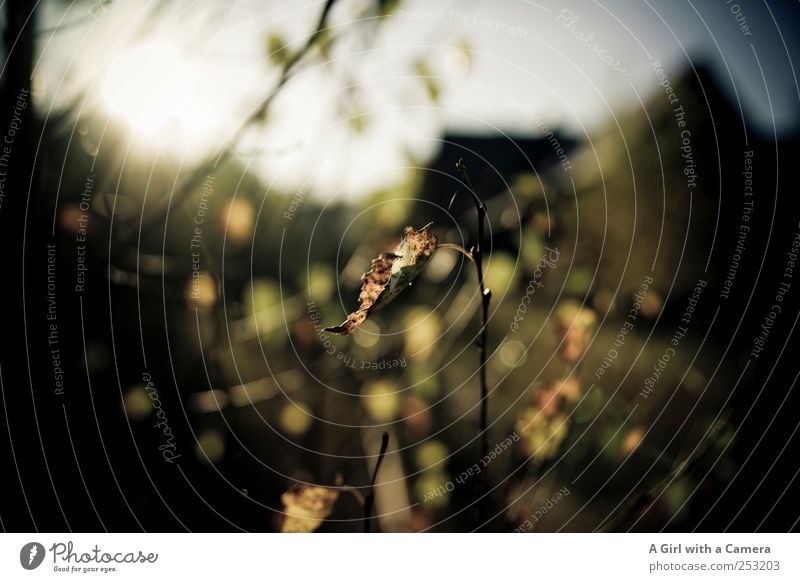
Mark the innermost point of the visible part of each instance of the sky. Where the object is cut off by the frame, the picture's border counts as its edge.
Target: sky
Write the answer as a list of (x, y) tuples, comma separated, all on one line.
[(183, 75)]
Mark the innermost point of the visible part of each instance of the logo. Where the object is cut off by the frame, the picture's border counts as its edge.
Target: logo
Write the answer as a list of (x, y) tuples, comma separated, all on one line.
[(31, 555)]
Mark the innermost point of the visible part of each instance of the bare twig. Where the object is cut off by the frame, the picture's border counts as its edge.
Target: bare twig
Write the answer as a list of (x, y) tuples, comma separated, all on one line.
[(486, 298), (369, 498)]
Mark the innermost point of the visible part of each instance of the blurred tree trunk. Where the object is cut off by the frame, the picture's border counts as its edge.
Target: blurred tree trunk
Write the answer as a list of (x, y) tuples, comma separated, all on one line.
[(18, 44), (18, 39)]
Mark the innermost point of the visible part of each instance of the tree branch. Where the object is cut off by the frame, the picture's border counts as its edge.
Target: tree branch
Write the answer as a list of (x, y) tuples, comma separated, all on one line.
[(222, 155)]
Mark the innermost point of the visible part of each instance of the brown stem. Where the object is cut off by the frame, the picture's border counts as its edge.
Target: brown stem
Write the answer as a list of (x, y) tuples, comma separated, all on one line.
[(457, 248), (483, 339), (369, 499)]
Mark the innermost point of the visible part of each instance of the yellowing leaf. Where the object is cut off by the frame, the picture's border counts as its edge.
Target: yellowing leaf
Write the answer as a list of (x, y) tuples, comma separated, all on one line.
[(306, 507), (390, 274)]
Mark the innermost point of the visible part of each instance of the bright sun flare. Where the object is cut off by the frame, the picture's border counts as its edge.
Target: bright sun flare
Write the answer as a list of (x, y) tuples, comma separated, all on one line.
[(151, 86)]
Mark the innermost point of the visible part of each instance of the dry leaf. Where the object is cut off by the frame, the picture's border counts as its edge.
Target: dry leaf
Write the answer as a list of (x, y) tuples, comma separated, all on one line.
[(306, 507), (389, 275)]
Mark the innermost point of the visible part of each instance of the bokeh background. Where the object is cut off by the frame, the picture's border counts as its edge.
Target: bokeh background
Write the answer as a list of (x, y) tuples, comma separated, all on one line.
[(192, 190)]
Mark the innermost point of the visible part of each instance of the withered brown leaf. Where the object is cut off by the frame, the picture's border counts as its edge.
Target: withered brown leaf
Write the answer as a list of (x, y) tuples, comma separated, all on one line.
[(306, 507), (389, 275)]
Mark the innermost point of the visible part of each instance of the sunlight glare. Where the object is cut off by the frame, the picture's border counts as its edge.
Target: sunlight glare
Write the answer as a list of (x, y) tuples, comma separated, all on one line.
[(151, 86)]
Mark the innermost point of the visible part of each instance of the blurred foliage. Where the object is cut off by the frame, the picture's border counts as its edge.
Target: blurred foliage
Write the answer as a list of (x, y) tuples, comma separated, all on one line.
[(247, 341)]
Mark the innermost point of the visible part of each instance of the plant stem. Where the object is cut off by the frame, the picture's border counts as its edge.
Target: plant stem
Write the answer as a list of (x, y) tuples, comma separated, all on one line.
[(457, 248), (369, 499), (483, 338)]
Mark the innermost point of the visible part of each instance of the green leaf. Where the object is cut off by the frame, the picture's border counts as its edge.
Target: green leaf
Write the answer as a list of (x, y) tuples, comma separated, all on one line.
[(277, 49)]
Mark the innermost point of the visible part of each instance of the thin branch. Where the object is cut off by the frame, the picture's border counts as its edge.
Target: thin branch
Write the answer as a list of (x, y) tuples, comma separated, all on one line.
[(457, 248), (483, 337), (199, 174), (369, 499)]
